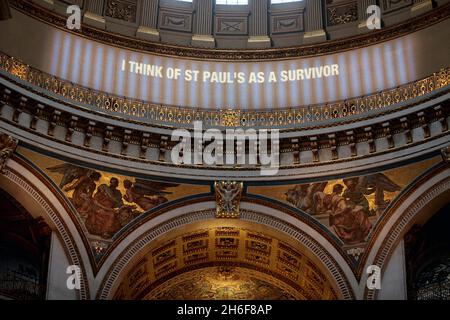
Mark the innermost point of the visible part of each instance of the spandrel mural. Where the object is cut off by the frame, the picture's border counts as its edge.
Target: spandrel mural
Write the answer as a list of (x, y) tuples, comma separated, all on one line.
[(105, 208), (348, 207), (107, 203)]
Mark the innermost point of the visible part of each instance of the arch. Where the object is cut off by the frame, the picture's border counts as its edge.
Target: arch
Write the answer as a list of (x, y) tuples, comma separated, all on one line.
[(22, 182), (298, 231), (422, 201)]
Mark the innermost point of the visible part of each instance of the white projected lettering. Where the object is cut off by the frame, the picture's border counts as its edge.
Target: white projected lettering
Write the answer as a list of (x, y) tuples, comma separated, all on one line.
[(236, 84), (224, 77)]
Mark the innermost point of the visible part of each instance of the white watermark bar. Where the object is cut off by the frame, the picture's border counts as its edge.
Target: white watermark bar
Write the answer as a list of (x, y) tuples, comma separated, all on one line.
[(237, 147)]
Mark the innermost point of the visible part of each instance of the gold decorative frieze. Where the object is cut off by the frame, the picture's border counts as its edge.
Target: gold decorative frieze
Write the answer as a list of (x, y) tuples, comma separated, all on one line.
[(230, 118)]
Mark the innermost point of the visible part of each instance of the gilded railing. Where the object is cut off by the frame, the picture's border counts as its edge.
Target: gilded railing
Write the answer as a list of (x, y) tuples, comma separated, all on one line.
[(176, 116)]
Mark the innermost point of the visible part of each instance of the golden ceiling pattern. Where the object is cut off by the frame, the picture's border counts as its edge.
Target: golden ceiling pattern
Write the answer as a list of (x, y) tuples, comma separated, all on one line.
[(223, 283), (227, 247)]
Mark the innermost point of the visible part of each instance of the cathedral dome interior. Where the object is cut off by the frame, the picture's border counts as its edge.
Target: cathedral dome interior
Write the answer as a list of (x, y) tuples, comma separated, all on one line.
[(224, 150)]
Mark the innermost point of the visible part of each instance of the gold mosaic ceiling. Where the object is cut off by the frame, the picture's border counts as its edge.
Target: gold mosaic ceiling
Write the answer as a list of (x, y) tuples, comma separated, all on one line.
[(239, 261), (223, 283)]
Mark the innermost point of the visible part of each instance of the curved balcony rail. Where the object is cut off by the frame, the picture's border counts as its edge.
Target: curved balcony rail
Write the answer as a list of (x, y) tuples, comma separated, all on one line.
[(164, 115)]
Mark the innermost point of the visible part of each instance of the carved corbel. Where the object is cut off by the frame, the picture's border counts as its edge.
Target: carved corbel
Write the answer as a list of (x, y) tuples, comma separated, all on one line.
[(441, 117), (6, 96), (145, 141), (20, 108), (39, 111), (126, 141), (56, 118), (387, 133), (370, 139), (351, 142), (295, 142), (406, 129), (71, 128), (314, 148), (89, 133), (424, 124), (163, 148), (333, 146), (7, 147), (107, 138)]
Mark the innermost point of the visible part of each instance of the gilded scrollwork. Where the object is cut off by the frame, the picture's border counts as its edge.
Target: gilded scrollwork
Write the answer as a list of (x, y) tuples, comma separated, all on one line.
[(230, 118), (7, 147), (228, 198)]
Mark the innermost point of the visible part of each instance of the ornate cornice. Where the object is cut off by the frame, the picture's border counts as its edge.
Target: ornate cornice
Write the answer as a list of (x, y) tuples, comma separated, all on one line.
[(431, 121), (412, 25)]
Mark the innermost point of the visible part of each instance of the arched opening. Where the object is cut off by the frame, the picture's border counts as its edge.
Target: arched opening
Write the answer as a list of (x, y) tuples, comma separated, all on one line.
[(26, 189), (225, 259), (427, 249), (24, 252)]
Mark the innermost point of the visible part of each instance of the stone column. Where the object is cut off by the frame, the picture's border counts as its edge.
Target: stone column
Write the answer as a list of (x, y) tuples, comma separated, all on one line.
[(94, 14), (203, 24), (149, 21), (314, 22), (421, 6), (258, 25)]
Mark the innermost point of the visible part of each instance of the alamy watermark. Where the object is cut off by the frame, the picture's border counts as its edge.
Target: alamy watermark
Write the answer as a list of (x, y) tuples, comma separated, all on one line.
[(374, 20), (74, 19), (237, 147), (74, 279), (374, 278)]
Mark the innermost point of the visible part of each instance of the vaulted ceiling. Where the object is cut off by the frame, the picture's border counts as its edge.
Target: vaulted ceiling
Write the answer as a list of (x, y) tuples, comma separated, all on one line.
[(239, 261)]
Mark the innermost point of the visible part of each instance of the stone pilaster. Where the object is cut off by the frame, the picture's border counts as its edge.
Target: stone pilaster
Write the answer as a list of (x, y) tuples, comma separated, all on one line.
[(94, 14), (149, 21), (421, 6), (203, 24), (314, 22), (258, 25)]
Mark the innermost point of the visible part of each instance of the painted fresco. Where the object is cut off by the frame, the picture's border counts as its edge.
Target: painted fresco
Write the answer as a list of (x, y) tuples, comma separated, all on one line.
[(103, 207), (106, 202), (348, 207)]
